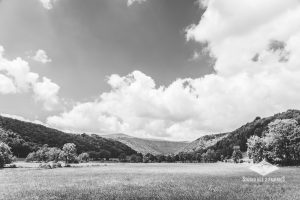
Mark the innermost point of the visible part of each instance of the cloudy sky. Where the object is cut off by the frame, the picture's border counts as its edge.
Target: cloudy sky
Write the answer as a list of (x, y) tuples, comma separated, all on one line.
[(170, 69)]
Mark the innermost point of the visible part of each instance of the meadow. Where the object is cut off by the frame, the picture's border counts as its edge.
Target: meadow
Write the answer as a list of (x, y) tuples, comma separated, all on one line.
[(147, 181)]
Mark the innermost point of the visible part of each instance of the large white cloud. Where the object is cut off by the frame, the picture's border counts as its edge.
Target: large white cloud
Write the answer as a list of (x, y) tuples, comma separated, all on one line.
[(16, 77), (256, 45)]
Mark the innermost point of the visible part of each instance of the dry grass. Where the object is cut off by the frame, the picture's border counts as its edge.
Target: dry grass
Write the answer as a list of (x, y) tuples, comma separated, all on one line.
[(146, 181)]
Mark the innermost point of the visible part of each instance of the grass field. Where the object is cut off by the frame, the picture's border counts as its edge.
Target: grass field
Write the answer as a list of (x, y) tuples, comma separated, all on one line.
[(147, 181)]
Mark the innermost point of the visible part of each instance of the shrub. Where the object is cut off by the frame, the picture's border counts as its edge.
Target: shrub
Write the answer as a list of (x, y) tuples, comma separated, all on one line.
[(11, 166), (31, 157)]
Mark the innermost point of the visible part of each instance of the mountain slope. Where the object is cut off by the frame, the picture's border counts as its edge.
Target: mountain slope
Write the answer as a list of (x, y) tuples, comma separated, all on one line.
[(202, 143), (25, 137), (223, 143), (145, 146)]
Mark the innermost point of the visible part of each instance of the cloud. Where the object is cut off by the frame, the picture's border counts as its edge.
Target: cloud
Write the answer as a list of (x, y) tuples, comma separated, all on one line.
[(6, 85), (196, 56), (131, 2), (47, 4), (16, 77), (256, 47), (41, 56), (46, 91)]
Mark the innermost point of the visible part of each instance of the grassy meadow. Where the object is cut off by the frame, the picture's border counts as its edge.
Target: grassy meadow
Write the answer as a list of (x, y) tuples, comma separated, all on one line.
[(146, 181)]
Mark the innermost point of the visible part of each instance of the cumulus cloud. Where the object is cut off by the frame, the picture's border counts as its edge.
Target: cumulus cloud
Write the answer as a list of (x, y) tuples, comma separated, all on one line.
[(130, 2), (256, 47), (41, 56), (16, 77), (47, 91), (47, 4)]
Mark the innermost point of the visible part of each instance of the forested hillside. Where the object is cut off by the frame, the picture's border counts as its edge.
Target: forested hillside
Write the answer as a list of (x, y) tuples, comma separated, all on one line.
[(202, 143), (224, 145), (151, 146), (24, 137)]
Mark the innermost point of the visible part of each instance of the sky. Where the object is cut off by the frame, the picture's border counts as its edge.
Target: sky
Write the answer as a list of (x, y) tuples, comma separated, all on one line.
[(168, 69)]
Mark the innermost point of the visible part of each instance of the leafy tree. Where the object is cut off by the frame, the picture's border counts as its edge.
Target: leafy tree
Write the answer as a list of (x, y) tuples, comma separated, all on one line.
[(53, 154), (6, 156), (104, 154), (282, 141), (2, 161), (149, 158), (83, 157), (256, 146), (68, 152), (122, 157), (198, 157), (160, 158), (42, 153), (209, 156), (169, 158), (237, 155), (134, 158), (31, 157)]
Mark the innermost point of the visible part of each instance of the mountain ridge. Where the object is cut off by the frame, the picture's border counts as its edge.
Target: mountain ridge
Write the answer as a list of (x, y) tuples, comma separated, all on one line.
[(148, 145), (24, 137)]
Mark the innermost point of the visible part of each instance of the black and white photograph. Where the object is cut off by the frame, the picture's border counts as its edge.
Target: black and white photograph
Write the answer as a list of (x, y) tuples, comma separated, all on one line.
[(149, 99)]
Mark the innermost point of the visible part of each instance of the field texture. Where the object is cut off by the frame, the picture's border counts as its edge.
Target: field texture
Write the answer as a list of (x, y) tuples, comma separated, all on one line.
[(147, 181)]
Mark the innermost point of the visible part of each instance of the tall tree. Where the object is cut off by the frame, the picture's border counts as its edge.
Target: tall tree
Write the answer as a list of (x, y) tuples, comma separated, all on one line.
[(68, 152)]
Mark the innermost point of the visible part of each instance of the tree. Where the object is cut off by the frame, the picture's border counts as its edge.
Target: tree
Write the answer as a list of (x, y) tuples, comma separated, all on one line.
[(2, 161), (104, 154), (282, 141), (237, 155), (256, 146), (169, 158), (42, 153), (133, 158), (68, 152), (209, 156), (149, 158), (198, 157), (53, 154), (83, 157), (160, 158), (31, 157), (122, 157), (6, 156)]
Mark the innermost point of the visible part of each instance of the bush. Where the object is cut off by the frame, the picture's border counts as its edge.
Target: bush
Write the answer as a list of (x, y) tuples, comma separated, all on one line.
[(45, 166), (50, 165), (31, 157)]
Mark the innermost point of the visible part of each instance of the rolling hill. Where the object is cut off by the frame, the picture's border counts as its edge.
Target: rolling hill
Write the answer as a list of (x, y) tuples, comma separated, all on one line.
[(25, 137), (202, 143), (145, 146), (223, 143)]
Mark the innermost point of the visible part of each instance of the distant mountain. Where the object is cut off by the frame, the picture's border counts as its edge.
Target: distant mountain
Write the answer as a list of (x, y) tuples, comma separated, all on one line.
[(145, 146), (223, 143), (24, 137)]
